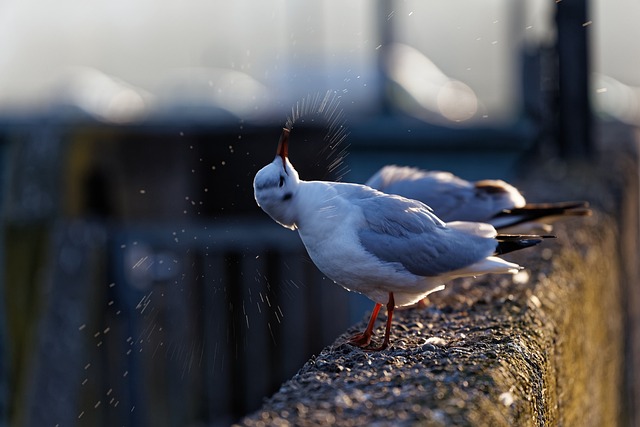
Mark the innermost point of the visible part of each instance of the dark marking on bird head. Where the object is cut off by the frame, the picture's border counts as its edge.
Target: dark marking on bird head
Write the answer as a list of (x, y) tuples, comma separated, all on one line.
[(490, 187)]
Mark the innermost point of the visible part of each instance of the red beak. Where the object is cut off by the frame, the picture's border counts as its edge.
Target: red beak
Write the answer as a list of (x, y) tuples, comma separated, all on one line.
[(283, 146)]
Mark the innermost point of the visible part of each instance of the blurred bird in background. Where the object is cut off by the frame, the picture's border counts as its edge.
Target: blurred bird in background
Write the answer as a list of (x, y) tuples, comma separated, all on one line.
[(492, 201)]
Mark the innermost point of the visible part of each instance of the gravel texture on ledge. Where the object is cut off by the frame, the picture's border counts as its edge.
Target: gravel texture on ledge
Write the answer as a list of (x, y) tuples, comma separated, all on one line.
[(541, 348)]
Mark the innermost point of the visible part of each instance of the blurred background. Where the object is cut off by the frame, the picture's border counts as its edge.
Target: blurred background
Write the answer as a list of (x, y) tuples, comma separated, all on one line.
[(141, 285)]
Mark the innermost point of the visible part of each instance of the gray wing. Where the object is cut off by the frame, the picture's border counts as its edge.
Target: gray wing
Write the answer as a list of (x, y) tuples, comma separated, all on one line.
[(444, 192), (451, 197), (407, 232)]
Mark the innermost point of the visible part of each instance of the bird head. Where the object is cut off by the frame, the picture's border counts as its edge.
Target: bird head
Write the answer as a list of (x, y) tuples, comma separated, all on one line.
[(275, 185)]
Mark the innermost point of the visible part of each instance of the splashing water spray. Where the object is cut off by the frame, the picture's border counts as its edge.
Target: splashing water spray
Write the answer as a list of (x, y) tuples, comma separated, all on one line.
[(328, 108)]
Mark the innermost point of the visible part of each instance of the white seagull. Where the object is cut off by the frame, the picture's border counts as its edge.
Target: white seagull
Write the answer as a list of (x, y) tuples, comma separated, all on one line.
[(392, 249), (455, 199)]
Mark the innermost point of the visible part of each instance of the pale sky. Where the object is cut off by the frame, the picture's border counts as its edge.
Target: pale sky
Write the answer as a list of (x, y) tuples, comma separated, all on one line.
[(167, 51)]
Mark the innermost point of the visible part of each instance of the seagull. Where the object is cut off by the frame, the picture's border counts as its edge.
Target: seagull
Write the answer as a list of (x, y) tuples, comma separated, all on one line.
[(455, 199), (389, 248)]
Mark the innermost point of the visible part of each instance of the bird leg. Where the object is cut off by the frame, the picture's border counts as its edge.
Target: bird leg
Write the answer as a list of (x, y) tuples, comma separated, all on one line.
[(362, 340), (391, 304)]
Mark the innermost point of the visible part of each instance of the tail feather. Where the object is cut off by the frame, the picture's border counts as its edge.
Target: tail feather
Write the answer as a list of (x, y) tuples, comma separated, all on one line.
[(547, 209), (537, 211), (513, 242)]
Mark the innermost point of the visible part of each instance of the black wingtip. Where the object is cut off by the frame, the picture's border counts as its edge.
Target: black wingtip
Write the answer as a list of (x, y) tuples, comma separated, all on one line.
[(541, 211), (514, 242), (550, 209), (515, 237)]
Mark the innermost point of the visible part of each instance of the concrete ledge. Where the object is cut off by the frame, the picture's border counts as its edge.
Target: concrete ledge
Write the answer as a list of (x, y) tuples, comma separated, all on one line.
[(544, 348), (490, 352)]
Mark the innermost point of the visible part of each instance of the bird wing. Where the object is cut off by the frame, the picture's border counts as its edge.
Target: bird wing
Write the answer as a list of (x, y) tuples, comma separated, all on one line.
[(451, 197), (442, 191), (404, 231)]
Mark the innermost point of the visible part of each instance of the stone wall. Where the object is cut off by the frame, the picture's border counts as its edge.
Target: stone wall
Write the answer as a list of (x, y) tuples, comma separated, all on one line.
[(554, 345), (545, 349)]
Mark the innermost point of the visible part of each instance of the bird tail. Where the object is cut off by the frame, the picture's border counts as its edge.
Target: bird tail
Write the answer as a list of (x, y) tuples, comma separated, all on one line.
[(513, 242), (539, 211)]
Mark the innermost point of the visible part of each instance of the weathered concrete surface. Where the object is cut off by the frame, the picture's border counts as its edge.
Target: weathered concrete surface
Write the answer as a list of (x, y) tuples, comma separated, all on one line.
[(544, 348), (485, 352)]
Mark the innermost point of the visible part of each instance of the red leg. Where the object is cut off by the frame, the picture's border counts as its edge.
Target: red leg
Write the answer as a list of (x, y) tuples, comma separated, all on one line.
[(391, 304), (362, 340)]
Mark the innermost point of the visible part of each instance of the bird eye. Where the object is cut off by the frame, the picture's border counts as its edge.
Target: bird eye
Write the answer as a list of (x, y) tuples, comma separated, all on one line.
[(281, 181)]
